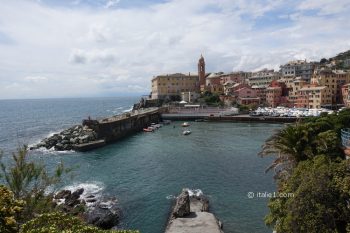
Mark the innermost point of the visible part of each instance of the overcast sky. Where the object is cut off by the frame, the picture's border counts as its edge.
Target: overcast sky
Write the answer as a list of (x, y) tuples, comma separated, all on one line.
[(81, 48)]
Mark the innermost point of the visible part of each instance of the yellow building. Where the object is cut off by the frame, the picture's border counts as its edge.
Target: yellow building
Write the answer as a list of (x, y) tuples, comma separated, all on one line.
[(312, 96), (171, 85), (334, 80)]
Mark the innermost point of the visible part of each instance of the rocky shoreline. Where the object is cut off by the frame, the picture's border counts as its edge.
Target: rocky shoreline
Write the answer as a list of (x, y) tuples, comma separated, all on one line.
[(190, 214), (102, 212), (68, 139)]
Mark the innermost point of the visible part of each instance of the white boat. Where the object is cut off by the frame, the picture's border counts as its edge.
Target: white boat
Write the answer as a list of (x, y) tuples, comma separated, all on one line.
[(185, 124), (186, 132)]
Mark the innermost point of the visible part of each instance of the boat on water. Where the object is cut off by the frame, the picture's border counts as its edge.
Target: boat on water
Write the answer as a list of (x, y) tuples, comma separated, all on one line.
[(186, 132), (185, 124), (149, 129)]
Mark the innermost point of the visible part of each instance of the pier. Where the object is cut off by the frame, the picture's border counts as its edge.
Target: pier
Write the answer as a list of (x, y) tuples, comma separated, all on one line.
[(112, 129)]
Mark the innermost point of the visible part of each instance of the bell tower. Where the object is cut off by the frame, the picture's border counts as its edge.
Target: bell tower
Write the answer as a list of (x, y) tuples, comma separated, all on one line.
[(201, 73)]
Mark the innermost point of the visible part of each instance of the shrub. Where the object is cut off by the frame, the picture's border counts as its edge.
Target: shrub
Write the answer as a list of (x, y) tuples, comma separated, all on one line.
[(60, 223), (10, 207)]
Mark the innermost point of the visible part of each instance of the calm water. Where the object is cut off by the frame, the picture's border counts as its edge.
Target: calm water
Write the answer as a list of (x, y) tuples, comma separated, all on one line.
[(145, 170)]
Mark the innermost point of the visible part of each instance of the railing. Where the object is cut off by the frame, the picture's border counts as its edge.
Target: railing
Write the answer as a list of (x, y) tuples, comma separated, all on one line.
[(345, 137)]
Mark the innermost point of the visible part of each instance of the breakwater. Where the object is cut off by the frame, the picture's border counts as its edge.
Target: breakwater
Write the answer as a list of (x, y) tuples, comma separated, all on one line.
[(190, 214), (93, 134)]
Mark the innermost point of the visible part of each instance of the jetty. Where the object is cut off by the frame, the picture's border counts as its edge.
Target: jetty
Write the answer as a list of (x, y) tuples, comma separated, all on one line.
[(95, 133), (190, 214)]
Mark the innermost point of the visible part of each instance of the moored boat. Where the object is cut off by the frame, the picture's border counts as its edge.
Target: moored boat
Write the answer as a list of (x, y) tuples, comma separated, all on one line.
[(186, 132), (149, 129), (185, 124)]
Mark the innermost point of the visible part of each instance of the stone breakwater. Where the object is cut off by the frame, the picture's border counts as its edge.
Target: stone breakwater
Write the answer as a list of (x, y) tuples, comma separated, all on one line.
[(191, 215), (97, 133), (68, 139)]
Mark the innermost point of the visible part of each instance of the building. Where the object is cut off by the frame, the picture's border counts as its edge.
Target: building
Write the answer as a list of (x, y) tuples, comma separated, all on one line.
[(334, 80), (214, 84), (293, 90), (237, 77), (263, 77), (246, 96), (171, 85), (313, 96), (298, 68), (261, 92), (277, 94), (346, 95), (201, 73)]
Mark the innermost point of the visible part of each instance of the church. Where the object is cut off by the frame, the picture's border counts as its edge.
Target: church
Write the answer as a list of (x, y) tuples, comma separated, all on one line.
[(179, 86)]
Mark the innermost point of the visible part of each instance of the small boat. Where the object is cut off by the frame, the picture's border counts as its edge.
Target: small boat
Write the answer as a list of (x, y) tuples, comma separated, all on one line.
[(186, 132), (185, 124), (149, 129)]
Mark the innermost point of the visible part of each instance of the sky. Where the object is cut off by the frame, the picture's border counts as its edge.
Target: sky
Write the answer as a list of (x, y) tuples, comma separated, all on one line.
[(95, 48)]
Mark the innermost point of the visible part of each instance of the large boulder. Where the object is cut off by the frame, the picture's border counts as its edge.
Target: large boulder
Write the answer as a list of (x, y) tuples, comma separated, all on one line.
[(73, 199), (182, 206), (63, 194), (104, 215)]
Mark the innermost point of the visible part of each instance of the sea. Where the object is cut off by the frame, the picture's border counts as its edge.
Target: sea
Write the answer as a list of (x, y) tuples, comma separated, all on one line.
[(146, 171)]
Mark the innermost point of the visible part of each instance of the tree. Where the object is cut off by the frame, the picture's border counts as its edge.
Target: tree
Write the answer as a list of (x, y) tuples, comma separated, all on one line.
[(29, 181), (321, 191), (10, 207), (57, 222), (290, 146), (323, 61)]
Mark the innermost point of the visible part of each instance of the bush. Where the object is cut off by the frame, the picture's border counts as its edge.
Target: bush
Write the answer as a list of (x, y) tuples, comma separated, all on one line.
[(30, 181), (61, 223), (10, 207)]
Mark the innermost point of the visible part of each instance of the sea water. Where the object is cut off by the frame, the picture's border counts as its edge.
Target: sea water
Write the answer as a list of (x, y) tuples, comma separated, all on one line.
[(147, 170)]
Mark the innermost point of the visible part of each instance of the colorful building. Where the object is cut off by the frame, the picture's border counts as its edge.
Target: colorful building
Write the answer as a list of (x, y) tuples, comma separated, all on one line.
[(277, 94), (171, 85), (334, 80), (246, 96), (313, 96), (263, 77), (346, 95)]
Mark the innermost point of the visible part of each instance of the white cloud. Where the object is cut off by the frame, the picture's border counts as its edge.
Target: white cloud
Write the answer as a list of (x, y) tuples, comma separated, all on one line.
[(35, 78), (111, 3), (84, 51)]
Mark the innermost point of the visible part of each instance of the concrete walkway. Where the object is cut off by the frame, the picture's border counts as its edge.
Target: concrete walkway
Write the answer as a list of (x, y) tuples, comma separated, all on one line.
[(196, 222)]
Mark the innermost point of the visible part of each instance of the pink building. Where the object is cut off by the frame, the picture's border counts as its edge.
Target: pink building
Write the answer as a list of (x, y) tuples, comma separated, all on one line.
[(247, 95)]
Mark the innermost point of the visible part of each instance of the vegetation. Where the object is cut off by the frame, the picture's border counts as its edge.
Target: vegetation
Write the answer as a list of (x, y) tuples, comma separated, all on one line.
[(309, 163), (30, 182), (10, 208), (211, 99), (57, 222), (26, 202)]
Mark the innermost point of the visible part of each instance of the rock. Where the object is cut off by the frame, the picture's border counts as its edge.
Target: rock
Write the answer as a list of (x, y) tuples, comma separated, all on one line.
[(63, 194), (59, 146), (65, 141), (102, 217), (182, 206), (73, 199), (199, 204), (77, 193)]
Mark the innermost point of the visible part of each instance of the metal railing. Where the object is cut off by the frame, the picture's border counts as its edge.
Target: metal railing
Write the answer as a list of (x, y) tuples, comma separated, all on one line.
[(345, 137)]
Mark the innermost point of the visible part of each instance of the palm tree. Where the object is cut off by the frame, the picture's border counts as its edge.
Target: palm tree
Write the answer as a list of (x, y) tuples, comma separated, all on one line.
[(290, 146)]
